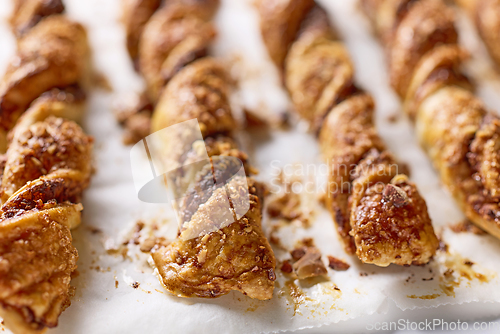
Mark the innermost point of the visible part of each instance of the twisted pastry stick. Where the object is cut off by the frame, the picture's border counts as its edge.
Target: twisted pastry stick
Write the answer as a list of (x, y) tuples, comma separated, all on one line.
[(461, 137), (47, 167), (486, 16), (52, 54), (186, 85), (160, 45), (378, 211)]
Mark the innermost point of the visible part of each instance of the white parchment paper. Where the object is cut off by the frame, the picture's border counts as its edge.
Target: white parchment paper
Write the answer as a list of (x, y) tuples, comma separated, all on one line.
[(105, 300)]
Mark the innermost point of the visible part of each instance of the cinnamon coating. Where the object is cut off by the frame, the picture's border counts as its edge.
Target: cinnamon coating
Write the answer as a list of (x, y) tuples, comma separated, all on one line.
[(44, 148), (452, 124), (379, 214), (218, 248), (47, 166)]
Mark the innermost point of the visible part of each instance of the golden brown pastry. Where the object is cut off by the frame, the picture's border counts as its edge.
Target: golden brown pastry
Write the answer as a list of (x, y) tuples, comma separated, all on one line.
[(207, 259), (486, 16), (45, 170), (52, 54), (454, 127), (160, 43), (176, 35), (238, 256), (378, 212)]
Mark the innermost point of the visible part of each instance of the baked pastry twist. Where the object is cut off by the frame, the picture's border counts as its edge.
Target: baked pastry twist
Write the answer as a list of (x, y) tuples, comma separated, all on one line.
[(486, 17), (52, 54), (45, 169), (461, 137), (378, 212), (185, 84)]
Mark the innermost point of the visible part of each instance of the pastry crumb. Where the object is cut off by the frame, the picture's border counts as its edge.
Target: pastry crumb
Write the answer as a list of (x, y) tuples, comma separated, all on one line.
[(337, 264)]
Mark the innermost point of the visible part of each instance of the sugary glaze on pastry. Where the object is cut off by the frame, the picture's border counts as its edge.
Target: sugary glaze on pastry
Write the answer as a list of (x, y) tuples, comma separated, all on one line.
[(486, 16), (45, 169), (378, 212), (460, 136), (185, 84)]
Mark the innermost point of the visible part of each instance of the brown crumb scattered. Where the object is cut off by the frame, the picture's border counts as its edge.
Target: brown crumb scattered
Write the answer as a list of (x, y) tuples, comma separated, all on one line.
[(282, 121), (308, 242), (116, 283), (100, 81), (468, 263), (298, 253), (393, 118), (442, 246), (363, 274), (286, 267), (466, 226), (310, 264), (337, 264), (448, 273), (286, 206), (94, 230), (395, 195), (151, 244), (147, 245), (135, 117), (137, 232), (253, 120), (135, 285), (137, 127), (124, 253)]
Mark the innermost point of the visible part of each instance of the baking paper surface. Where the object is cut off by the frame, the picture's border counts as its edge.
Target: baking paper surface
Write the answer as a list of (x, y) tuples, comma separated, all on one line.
[(105, 297)]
